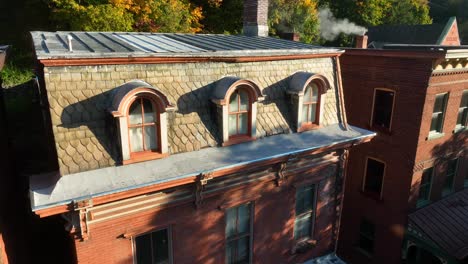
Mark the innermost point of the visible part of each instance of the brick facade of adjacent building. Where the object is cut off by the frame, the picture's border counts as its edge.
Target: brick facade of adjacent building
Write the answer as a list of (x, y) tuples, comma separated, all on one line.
[(405, 150)]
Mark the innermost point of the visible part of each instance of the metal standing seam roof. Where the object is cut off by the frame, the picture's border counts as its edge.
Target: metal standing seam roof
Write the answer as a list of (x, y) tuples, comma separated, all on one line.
[(445, 223), (50, 45), (110, 180)]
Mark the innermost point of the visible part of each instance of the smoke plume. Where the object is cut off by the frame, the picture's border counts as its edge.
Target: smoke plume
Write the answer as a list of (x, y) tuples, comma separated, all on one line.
[(331, 27)]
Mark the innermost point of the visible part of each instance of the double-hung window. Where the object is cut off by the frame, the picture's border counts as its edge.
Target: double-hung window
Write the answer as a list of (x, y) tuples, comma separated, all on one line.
[(450, 177), (238, 234), (305, 212), (153, 248), (424, 196), (438, 113), (239, 113), (462, 118), (311, 104), (143, 126)]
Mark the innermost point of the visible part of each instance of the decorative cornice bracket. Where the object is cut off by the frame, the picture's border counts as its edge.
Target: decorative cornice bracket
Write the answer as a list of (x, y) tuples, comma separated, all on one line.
[(82, 207), (202, 180)]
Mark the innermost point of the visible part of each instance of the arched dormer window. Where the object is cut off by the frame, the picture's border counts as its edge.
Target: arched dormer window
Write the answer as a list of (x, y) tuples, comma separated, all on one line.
[(141, 113), (308, 90), (237, 109)]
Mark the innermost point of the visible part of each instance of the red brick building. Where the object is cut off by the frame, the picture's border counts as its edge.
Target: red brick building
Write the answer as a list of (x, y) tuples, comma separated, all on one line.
[(416, 98), (176, 148)]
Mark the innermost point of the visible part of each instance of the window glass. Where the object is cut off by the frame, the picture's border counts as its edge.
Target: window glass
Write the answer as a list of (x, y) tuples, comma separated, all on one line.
[(243, 123), (374, 176), (308, 95), (383, 107), (314, 92), (462, 118), (310, 104), (451, 172), (425, 187), (238, 233), (438, 113), (153, 248), (244, 100), (305, 202), (148, 110), (232, 123), (234, 102), (136, 139), (151, 137), (135, 113)]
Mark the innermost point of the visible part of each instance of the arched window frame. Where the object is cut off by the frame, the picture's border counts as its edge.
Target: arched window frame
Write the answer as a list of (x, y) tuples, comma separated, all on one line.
[(298, 84), (125, 96), (222, 93)]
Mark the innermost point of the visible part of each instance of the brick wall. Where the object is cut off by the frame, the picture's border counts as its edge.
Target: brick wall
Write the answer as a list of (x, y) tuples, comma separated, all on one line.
[(85, 134), (198, 234), (408, 78)]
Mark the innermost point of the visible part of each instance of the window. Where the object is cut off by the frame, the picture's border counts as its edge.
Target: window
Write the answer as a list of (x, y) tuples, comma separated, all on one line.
[(310, 105), (308, 93), (305, 212), (383, 109), (450, 177), (238, 234), (437, 122), (236, 100), (374, 177), (153, 248), (462, 118), (143, 126), (366, 237), (239, 113), (140, 110), (425, 188)]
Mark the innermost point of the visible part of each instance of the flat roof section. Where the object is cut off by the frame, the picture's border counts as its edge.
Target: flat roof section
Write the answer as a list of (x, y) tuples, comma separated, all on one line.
[(55, 45), (111, 180)]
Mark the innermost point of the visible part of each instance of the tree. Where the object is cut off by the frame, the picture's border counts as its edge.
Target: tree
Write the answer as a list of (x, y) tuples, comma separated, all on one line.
[(294, 16), (127, 15)]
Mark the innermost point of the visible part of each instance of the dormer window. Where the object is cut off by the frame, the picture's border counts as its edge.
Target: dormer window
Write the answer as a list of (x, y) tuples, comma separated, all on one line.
[(308, 92), (310, 106), (236, 101), (143, 126), (142, 120), (239, 113)]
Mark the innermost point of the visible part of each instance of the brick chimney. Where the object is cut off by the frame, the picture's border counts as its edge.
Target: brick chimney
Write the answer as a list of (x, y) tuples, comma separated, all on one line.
[(361, 41), (255, 18)]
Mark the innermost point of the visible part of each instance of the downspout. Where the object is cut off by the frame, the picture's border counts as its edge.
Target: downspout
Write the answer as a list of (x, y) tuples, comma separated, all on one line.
[(344, 121), (344, 165)]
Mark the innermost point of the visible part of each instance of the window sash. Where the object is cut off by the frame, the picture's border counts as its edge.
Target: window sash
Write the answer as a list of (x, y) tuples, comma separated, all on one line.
[(451, 172), (366, 236), (305, 211), (438, 112), (239, 113), (140, 138), (425, 187), (153, 247), (238, 229)]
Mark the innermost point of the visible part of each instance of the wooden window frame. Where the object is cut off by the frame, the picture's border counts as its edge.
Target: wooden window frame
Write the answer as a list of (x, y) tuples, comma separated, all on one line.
[(313, 213), (169, 237), (379, 128), (464, 110), (251, 204), (419, 202), (436, 133), (363, 187), (240, 137), (145, 154), (446, 192), (304, 126)]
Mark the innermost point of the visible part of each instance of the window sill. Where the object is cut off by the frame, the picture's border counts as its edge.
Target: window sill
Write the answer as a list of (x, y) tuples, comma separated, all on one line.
[(306, 127), (144, 157), (435, 135), (459, 129), (237, 140), (303, 245)]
